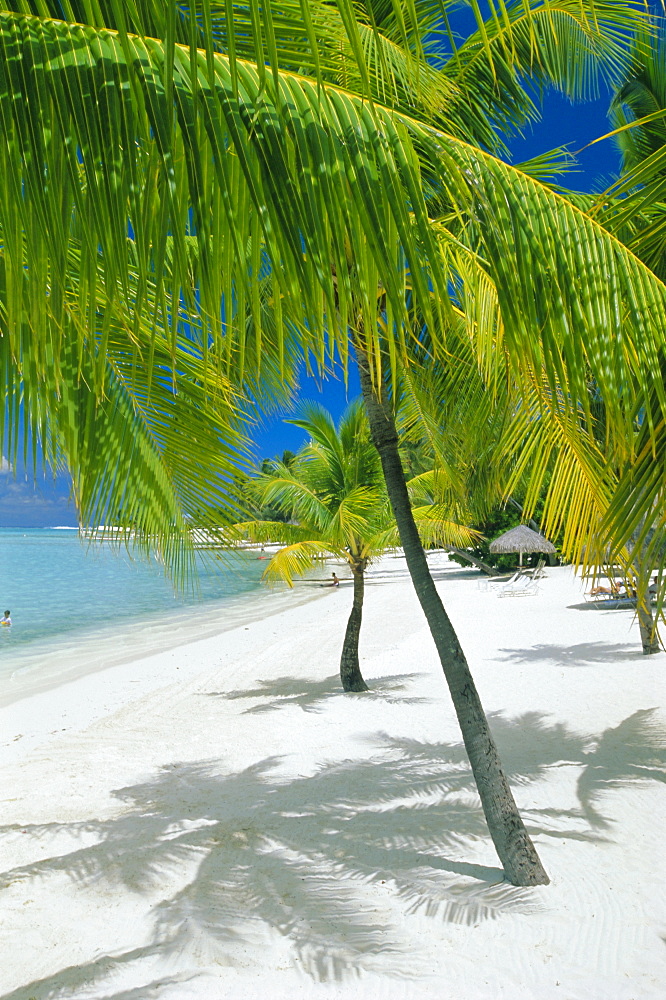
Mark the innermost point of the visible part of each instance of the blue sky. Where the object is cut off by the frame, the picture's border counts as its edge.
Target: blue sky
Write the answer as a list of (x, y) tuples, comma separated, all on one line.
[(26, 503)]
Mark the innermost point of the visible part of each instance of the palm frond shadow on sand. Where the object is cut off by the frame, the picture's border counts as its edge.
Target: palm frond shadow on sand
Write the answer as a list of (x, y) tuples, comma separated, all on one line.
[(311, 696), (332, 861), (577, 655), (69, 981)]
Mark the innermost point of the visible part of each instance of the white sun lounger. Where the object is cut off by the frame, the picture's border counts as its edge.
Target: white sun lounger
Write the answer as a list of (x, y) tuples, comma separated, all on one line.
[(538, 572), (495, 582), (519, 586)]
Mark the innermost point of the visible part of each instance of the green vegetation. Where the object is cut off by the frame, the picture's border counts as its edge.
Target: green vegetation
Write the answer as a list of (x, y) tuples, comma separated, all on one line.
[(192, 200)]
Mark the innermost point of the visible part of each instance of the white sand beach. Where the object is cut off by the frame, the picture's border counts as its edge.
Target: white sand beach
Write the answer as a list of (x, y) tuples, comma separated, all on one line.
[(219, 821)]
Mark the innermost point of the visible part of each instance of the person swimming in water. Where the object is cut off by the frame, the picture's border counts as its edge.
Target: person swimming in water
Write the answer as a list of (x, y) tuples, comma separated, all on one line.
[(6, 618)]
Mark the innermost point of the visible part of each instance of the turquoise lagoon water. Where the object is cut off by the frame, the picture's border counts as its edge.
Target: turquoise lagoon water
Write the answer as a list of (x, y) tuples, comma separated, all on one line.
[(78, 606)]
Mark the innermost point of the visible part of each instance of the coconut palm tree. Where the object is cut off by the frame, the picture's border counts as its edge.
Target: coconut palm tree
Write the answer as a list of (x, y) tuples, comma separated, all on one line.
[(266, 176), (495, 437), (334, 494), (336, 498), (615, 511)]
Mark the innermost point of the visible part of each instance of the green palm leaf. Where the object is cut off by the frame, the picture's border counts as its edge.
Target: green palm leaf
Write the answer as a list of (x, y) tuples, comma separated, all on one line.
[(257, 123), (283, 176), (295, 560), (141, 455), (564, 44)]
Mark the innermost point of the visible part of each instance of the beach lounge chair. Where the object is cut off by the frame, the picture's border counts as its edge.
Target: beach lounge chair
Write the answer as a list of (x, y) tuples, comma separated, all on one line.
[(520, 586), (608, 601), (617, 594), (615, 590), (538, 572), (495, 582)]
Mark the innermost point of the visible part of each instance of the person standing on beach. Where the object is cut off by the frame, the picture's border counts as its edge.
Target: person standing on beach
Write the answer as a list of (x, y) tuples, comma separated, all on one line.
[(6, 618)]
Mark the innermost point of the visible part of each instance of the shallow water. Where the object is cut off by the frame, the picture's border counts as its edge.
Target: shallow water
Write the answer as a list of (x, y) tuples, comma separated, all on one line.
[(54, 582), (77, 608)]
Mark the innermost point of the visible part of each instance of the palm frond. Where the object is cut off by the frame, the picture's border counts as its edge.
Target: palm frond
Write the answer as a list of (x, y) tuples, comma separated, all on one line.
[(287, 491), (564, 44), (436, 528), (295, 560), (142, 455), (357, 514), (320, 192)]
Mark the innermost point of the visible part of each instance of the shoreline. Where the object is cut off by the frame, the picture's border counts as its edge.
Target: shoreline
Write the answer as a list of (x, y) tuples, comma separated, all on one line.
[(219, 821), (38, 666), (61, 657)]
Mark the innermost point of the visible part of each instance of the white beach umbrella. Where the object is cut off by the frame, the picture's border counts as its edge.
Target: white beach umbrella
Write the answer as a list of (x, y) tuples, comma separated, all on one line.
[(521, 539)]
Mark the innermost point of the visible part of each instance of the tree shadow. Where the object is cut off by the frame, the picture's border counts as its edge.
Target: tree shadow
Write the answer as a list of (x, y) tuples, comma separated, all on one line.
[(311, 695), (609, 604), (103, 969), (634, 751), (307, 857), (443, 573), (575, 656)]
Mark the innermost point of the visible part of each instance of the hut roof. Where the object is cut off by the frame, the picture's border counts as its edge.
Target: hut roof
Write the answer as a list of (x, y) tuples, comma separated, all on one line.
[(521, 539)]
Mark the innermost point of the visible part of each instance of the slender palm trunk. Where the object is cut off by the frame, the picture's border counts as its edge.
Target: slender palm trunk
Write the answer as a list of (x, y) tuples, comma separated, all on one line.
[(515, 849), (646, 621), (350, 672), (648, 628)]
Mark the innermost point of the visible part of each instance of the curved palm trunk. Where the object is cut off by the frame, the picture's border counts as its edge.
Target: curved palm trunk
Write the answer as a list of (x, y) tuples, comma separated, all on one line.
[(515, 849), (350, 672)]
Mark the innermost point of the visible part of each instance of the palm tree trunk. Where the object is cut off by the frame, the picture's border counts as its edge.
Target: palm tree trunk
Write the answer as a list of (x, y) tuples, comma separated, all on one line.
[(515, 849), (350, 672), (647, 626)]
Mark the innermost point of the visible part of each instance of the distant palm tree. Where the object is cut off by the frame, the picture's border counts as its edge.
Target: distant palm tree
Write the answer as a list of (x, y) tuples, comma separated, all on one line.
[(334, 492)]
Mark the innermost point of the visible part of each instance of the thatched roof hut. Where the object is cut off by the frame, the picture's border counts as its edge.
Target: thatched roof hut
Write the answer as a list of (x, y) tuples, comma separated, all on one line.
[(521, 539)]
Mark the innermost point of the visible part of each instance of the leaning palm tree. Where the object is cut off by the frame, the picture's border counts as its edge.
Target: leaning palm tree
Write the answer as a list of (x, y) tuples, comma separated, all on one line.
[(338, 506), (332, 181)]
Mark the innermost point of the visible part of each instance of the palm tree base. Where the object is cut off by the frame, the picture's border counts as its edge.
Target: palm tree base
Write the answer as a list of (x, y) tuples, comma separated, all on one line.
[(355, 685)]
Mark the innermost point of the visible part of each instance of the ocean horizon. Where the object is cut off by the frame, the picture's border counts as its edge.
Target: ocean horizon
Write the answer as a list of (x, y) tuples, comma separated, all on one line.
[(79, 606)]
